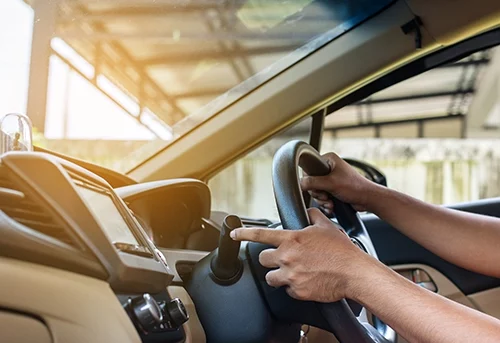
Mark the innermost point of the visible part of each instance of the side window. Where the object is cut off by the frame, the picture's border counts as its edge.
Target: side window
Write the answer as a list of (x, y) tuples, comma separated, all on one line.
[(245, 188), (435, 136)]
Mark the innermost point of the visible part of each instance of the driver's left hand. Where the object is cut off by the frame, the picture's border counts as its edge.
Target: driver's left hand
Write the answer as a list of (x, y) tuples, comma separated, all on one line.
[(318, 263)]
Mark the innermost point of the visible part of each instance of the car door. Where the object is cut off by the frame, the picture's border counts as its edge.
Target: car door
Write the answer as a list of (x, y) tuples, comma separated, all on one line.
[(429, 270), (429, 149)]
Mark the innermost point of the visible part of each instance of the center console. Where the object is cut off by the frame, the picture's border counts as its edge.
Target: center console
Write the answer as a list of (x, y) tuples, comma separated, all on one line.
[(55, 213)]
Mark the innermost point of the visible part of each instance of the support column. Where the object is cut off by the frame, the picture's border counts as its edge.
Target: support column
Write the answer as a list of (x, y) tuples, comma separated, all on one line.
[(485, 101), (44, 28)]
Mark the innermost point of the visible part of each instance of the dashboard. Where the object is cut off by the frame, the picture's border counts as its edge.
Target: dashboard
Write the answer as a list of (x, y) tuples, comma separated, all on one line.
[(83, 261), (65, 219)]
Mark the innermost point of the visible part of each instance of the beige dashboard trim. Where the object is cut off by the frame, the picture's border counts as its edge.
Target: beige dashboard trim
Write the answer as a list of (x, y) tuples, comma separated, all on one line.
[(75, 308), (18, 328)]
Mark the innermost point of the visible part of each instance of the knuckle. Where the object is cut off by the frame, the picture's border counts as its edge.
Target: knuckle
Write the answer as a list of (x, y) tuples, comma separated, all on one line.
[(256, 234), (285, 259), (296, 293), (297, 237), (291, 292), (292, 277), (303, 294)]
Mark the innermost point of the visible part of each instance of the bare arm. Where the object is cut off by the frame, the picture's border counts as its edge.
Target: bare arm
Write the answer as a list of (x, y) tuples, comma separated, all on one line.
[(317, 264), (467, 240), (420, 315)]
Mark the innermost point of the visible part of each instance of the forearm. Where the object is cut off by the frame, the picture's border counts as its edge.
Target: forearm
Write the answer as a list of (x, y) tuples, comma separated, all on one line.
[(420, 315), (468, 240)]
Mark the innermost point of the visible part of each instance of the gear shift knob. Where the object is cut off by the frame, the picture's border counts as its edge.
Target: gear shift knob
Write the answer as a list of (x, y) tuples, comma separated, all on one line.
[(226, 266)]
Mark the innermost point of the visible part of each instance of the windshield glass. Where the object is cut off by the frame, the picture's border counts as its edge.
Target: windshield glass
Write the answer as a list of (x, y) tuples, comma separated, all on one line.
[(114, 81)]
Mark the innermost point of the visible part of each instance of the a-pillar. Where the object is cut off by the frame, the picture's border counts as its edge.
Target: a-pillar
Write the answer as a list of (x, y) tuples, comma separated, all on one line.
[(44, 29)]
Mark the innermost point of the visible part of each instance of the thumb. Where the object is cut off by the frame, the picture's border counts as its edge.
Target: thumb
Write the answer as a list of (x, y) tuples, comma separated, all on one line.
[(317, 217), (312, 183)]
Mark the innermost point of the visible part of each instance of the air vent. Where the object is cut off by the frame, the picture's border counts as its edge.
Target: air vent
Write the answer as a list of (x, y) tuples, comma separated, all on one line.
[(27, 212)]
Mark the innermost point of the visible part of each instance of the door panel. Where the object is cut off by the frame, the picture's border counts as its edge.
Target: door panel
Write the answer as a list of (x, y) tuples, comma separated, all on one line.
[(394, 248), (487, 301), (401, 253), (445, 287), (482, 301)]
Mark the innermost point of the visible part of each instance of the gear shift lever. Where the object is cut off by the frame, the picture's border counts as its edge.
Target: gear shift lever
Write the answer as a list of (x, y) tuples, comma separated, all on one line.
[(226, 266)]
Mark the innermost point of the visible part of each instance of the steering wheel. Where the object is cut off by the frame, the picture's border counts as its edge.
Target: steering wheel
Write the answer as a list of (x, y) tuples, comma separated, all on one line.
[(340, 319), (247, 309)]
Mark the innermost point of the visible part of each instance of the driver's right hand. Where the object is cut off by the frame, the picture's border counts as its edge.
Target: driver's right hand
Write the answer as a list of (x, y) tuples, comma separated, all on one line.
[(343, 182)]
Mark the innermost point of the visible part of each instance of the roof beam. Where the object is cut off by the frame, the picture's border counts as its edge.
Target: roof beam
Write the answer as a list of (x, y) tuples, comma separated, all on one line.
[(224, 49), (486, 96), (461, 64), (140, 12), (169, 59), (413, 97), (174, 36), (145, 77), (167, 5), (200, 93), (395, 122)]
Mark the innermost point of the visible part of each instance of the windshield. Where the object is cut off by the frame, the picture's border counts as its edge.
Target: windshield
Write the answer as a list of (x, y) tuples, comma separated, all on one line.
[(112, 82)]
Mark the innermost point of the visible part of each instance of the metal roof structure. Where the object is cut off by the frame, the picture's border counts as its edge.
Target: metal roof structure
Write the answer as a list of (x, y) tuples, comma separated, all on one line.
[(170, 56), (433, 104), (160, 60)]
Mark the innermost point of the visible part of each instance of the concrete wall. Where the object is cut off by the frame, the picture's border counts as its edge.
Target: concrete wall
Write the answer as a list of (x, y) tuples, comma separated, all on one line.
[(437, 171)]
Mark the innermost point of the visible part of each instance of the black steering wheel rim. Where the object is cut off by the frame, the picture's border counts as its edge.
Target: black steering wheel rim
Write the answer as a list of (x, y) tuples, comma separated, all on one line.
[(269, 314), (292, 210)]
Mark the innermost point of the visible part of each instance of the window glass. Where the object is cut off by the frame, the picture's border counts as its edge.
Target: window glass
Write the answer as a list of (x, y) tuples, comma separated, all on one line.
[(113, 82), (435, 136), (246, 188)]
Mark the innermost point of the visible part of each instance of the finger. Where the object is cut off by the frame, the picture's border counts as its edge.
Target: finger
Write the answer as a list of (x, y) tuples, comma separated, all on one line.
[(276, 278), (291, 292), (266, 236), (320, 202), (331, 159), (269, 258), (319, 195), (326, 211), (316, 217), (314, 183), (327, 204)]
